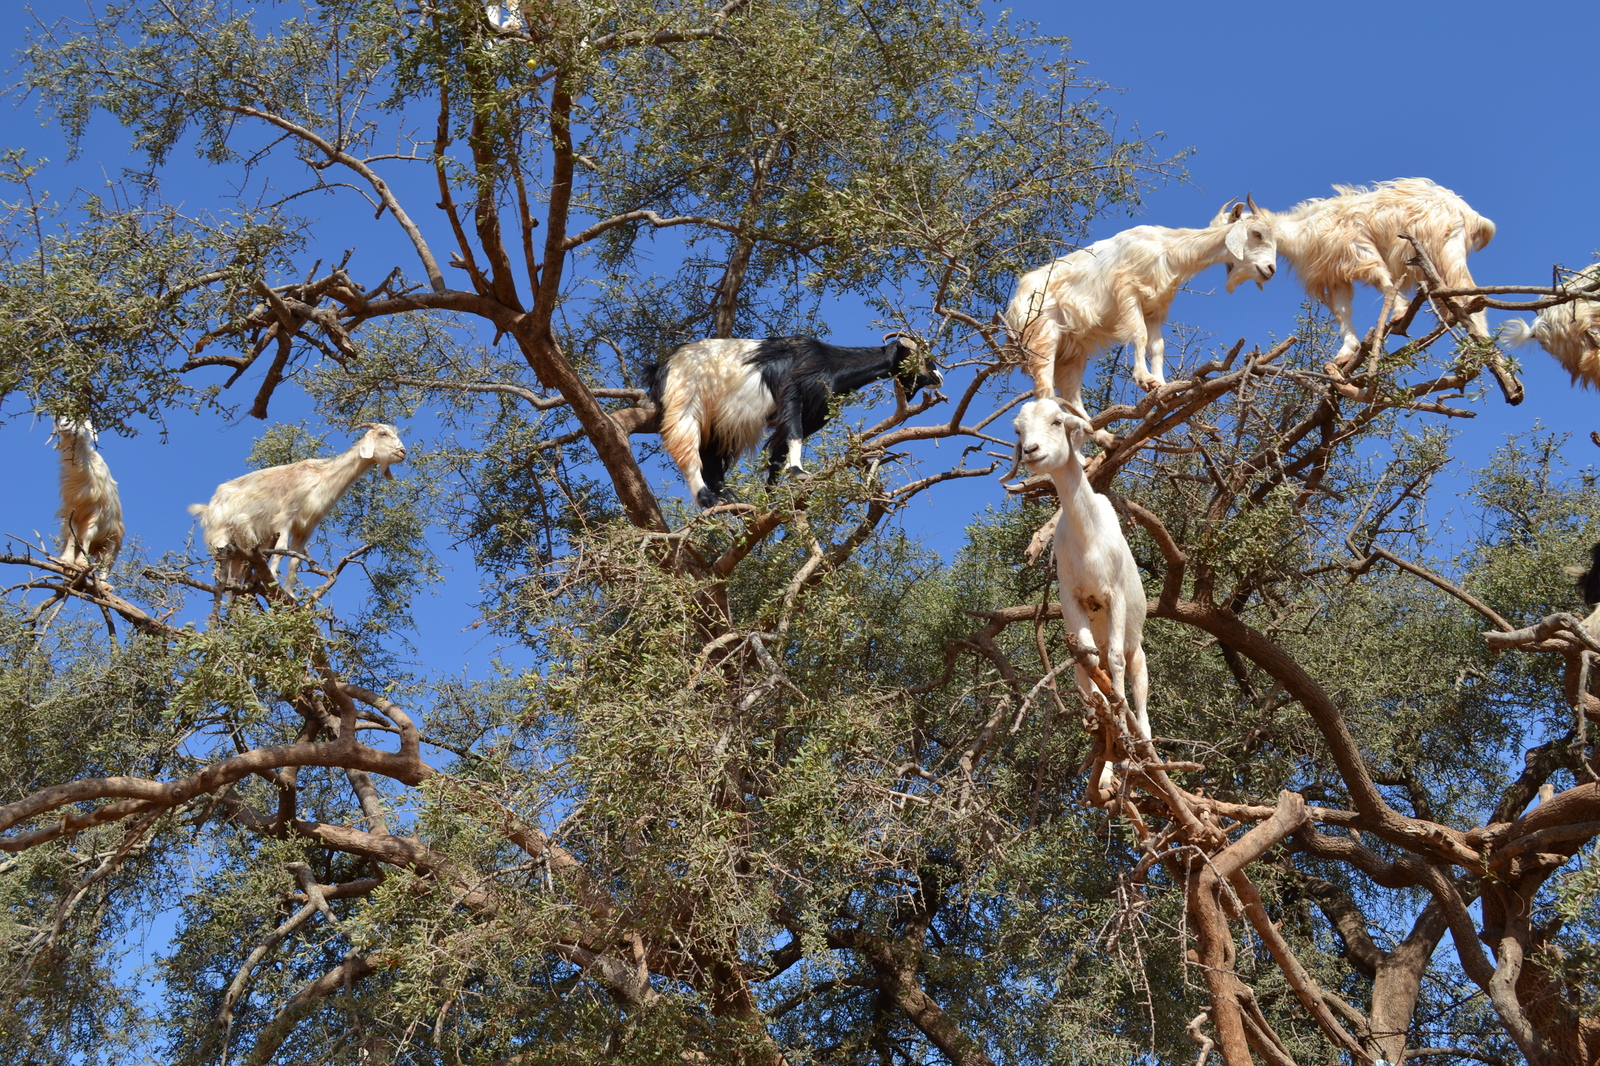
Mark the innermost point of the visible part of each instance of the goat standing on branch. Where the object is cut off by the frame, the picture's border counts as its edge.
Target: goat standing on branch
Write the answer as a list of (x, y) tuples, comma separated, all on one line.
[(718, 395), (1365, 235), (1570, 332), (281, 506), (1119, 291), (91, 509), (1102, 596)]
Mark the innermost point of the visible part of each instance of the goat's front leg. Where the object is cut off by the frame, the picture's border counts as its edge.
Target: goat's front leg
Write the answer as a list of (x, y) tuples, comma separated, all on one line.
[(277, 547), (1075, 620), (1158, 351), (788, 437), (298, 546)]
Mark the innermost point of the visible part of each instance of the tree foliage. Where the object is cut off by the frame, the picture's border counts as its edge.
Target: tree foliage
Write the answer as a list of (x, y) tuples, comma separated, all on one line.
[(771, 782)]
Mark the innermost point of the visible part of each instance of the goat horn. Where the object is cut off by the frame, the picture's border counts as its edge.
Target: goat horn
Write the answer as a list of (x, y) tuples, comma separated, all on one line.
[(1250, 202), (365, 425), (895, 334), (1016, 461)]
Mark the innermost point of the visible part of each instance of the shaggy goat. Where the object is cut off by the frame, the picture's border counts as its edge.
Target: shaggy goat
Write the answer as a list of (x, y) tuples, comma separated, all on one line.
[(1570, 332), (1119, 290), (1357, 236), (91, 509), (716, 396), (279, 507), (1102, 597)]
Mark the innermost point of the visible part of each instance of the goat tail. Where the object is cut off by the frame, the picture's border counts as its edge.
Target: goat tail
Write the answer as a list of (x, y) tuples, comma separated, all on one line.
[(654, 379), (1480, 231), (197, 509), (1518, 331)]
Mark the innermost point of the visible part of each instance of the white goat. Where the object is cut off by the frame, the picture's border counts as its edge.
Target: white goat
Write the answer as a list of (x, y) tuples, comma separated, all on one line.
[(1102, 597), (281, 506), (1119, 290), (91, 509), (1570, 332), (1356, 236)]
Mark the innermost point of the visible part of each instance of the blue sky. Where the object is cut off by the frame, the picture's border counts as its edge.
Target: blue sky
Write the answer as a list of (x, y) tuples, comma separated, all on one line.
[(1280, 100)]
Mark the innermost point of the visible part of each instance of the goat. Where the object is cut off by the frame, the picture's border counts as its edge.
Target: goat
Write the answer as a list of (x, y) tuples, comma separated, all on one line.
[(1102, 596), (1119, 290), (717, 395), (1570, 332), (1360, 235), (281, 506), (91, 509), (1589, 587)]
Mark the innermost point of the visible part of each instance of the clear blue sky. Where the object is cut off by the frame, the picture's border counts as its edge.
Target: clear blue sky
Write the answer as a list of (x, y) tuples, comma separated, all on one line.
[(1281, 100)]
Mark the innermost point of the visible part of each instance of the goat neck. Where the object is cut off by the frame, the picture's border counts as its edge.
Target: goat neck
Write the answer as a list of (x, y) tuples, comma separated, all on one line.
[(1192, 250), (855, 368), (333, 479), (1076, 497), (1293, 228)]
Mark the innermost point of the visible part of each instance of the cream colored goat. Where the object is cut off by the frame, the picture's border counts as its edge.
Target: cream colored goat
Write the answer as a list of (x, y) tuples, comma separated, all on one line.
[(91, 509), (1333, 243), (1570, 332), (1119, 291), (281, 506), (1102, 596)]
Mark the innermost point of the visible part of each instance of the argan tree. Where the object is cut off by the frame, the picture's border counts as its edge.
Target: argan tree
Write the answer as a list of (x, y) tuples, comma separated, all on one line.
[(771, 782)]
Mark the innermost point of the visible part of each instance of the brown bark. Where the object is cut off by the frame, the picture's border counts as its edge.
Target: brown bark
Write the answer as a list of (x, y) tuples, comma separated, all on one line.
[(896, 965), (1214, 954), (538, 343)]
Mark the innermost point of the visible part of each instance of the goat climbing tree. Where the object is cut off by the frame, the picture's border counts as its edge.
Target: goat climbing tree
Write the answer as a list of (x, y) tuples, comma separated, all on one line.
[(769, 783)]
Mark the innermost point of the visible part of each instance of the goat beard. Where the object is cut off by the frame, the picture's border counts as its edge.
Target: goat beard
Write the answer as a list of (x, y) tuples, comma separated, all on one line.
[(387, 473)]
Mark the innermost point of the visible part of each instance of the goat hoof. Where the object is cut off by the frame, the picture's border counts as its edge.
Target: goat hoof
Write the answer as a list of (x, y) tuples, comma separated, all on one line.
[(705, 497), (796, 472)]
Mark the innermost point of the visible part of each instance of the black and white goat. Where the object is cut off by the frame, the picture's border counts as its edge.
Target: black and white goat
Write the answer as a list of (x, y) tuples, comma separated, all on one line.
[(718, 395)]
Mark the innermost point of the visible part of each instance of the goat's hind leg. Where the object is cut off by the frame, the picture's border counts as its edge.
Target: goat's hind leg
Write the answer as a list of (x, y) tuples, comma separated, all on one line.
[(1139, 334), (713, 489)]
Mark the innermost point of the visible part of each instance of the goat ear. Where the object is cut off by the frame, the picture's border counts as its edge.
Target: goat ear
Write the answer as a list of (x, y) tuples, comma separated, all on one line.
[(369, 447), (1236, 240)]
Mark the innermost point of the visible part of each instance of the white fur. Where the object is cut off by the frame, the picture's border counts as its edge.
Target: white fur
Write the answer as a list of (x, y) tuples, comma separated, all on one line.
[(91, 509), (1119, 291), (1355, 236), (710, 393), (1102, 596), (281, 506), (1570, 332)]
